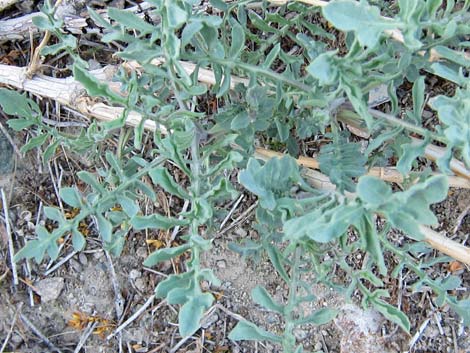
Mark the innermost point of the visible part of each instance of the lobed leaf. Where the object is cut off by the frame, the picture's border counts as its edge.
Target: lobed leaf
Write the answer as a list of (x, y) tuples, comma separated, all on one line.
[(165, 254), (360, 17), (191, 313), (342, 161), (156, 221), (246, 330), (161, 176), (261, 296)]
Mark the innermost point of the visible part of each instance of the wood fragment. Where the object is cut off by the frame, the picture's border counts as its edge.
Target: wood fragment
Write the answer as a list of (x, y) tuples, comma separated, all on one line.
[(387, 174), (21, 27), (4, 4), (445, 245), (71, 93)]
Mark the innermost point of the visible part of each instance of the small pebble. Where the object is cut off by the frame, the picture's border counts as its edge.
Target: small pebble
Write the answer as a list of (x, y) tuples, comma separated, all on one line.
[(140, 284), (134, 274), (300, 334), (241, 232), (141, 252), (49, 289), (15, 338), (221, 264), (83, 259), (427, 114), (272, 318), (75, 265)]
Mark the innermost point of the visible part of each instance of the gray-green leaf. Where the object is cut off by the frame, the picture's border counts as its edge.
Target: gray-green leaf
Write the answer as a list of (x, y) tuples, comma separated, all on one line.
[(360, 17), (156, 221), (246, 330), (164, 255), (261, 296)]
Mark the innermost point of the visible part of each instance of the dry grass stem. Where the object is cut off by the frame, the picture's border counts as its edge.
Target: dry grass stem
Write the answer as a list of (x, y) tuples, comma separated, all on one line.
[(11, 248)]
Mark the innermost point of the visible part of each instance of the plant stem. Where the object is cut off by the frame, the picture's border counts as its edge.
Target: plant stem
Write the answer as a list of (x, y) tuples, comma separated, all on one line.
[(288, 341), (256, 69), (400, 122)]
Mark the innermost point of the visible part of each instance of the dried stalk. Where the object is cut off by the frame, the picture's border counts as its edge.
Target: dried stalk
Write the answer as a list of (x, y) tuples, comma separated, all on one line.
[(19, 28), (387, 174), (432, 152), (445, 245), (7, 3), (71, 93)]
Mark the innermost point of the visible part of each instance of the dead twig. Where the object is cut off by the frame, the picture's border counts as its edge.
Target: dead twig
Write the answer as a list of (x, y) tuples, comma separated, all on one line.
[(83, 338), (10, 139), (134, 316), (60, 263), (35, 62), (239, 219), (418, 334), (118, 298), (446, 245), (11, 248), (460, 218), (10, 331), (387, 174), (175, 231), (21, 27), (38, 333), (67, 92), (234, 207)]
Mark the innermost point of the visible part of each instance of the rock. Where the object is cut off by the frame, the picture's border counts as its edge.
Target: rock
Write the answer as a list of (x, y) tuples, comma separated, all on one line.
[(140, 284), (300, 334), (141, 252), (134, 274), (83, 259), (75, 265), (49, 289), (318, 346), (272, 318), (221, 264), (427, 114), (241, 232), (16, 339)]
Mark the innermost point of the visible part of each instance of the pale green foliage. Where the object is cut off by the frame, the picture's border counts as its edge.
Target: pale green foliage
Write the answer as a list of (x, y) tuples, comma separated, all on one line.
[(288, 97), (454, 113)]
